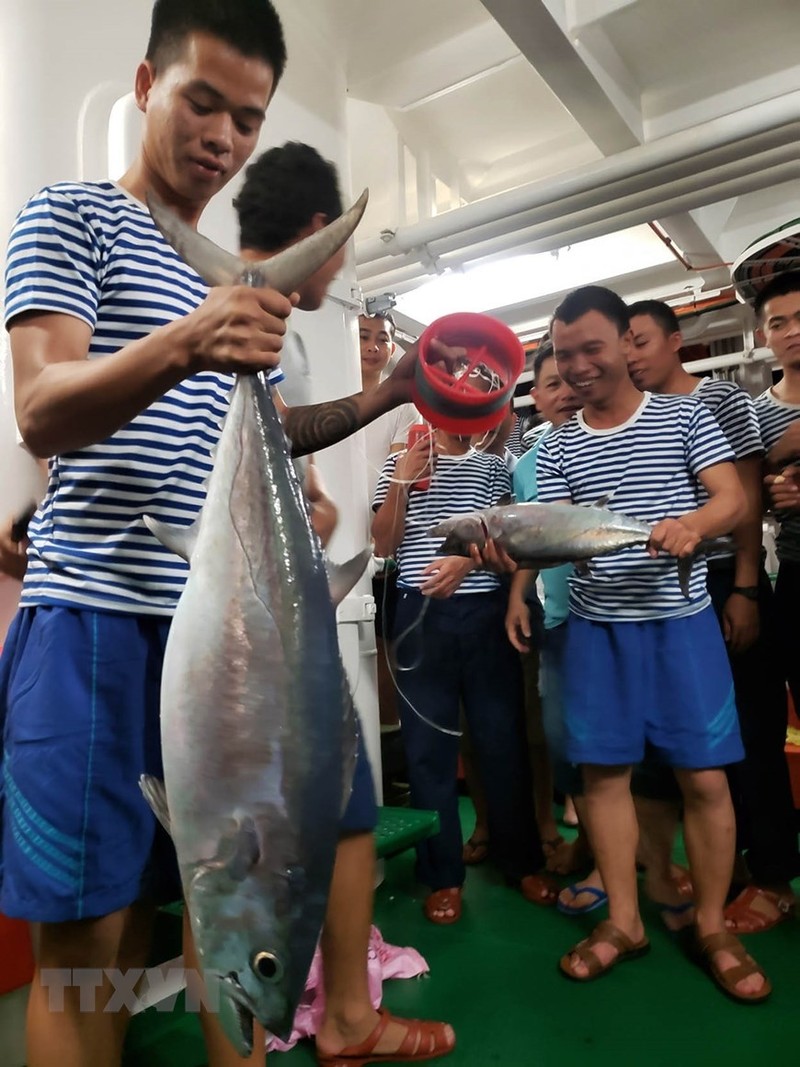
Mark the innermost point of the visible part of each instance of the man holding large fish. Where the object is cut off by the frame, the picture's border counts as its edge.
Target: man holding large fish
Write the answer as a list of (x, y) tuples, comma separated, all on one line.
[(123, 364), (646, 665)]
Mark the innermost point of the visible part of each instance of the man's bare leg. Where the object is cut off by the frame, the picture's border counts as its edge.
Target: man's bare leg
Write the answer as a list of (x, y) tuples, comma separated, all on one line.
[(658, 825), (613, 834), (349, 1015), (710, 833), (572, 856), (221, 1052), (66, 1021)]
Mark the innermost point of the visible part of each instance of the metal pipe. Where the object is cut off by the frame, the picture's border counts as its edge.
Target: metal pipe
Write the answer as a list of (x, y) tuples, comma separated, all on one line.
[(605, 202), (631, 191), (585, 225), (733, 359), (686, 146)]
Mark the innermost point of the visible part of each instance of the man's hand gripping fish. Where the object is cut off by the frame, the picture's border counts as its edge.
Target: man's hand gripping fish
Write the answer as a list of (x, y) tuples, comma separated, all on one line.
[(257, 721)]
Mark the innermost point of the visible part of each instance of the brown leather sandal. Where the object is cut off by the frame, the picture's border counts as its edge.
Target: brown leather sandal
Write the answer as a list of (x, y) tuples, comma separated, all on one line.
[(727, 981), (423, 1041), (605, 933), (540, 889), (744, 916)]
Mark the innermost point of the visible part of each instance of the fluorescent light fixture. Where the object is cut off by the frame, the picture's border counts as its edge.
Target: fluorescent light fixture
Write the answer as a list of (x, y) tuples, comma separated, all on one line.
[(482, 286)]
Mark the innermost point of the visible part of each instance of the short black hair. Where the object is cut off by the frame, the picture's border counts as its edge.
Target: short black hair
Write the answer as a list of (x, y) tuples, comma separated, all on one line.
[(252, 27), (780, 285), (543, 352), (282, 192), (659, 312), (593, 298), (385, 318)]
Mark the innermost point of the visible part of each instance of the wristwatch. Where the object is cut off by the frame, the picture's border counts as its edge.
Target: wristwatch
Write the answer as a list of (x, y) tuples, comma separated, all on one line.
[(749, 591)]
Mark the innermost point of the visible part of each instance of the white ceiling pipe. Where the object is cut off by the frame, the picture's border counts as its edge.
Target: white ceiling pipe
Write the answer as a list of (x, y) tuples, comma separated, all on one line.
[(686, 144), (741, 158), (588, 204), (586, 225), (759, 355)]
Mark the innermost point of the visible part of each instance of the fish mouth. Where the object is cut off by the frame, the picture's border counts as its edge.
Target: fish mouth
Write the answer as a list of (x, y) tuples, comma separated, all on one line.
[(244, 1009)]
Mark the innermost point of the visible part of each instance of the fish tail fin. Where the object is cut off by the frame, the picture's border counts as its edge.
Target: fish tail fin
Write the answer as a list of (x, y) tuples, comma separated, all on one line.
[(712, 546), (685, 565)]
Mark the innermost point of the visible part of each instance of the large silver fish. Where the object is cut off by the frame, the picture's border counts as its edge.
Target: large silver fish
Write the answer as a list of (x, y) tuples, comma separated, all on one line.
[(257, 721), (538, 536)]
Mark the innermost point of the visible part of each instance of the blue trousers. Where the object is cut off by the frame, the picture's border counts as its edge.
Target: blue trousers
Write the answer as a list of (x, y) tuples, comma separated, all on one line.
[(760, 785), (459, 655)]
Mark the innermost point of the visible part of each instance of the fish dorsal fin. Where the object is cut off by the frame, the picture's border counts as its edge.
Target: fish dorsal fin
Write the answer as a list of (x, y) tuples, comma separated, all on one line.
[(602, 501), (505, 500), (156, 796), (178, 539), (343, 576)]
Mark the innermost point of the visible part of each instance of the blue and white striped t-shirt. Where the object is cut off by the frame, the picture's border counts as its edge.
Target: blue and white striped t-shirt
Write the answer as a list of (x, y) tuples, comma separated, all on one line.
[(93, 252), (775, 417), (648, 467), (459, 484), (735, 412)]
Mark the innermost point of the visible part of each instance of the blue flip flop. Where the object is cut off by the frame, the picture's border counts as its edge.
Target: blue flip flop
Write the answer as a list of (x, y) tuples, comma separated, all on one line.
[(600, 899), (677, 910)]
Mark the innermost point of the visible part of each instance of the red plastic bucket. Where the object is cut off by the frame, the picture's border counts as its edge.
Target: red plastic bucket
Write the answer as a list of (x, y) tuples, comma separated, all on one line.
[(471, 396)]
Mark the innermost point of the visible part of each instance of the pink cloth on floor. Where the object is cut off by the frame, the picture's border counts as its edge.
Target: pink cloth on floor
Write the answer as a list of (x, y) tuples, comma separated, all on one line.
[(383, 962)]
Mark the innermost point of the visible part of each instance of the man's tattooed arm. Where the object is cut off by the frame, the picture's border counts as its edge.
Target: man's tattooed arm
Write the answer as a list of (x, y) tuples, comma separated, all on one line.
[(317, 426), (320, 425)]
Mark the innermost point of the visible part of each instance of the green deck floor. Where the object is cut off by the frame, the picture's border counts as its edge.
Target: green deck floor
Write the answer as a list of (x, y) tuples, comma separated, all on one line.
[(493, 976)]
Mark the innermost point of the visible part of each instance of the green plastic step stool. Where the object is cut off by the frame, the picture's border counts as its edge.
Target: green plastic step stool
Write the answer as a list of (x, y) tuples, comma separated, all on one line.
[(400, 828)]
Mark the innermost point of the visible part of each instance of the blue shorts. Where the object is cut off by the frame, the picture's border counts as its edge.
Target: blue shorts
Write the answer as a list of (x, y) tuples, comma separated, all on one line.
[(661, 683), (361, 814), (79, 711)]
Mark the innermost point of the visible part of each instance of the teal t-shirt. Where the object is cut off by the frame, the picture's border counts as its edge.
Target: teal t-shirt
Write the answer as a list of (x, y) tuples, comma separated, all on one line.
[(555, 579)]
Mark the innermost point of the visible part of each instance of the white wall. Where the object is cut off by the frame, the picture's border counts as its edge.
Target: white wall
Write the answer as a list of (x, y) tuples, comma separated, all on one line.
[(63, 64)]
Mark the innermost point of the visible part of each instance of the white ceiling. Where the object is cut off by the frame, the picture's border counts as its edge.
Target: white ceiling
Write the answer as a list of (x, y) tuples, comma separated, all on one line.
[(455, 101)]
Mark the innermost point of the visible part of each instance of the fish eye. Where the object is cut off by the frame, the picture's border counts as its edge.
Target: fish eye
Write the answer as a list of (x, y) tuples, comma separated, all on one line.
[(267, 966)]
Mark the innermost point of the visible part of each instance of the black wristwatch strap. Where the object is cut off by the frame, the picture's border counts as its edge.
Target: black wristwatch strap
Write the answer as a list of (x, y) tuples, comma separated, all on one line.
[(749, 591)]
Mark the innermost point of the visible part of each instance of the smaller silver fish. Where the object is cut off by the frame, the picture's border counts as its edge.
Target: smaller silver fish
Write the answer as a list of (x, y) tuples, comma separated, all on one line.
[(538, 536)]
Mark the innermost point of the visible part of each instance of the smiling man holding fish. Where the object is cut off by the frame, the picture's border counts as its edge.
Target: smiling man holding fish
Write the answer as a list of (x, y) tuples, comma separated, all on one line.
[(123, 362), (644, 665)]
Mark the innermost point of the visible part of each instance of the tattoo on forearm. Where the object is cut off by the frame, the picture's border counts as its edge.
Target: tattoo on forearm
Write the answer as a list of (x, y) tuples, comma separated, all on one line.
[(320, 425)]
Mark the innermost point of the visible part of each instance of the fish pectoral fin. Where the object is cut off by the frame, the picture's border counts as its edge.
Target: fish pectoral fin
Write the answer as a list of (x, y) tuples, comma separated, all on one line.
[(602, 501), (156, 796), (343, 576), (582, 567), (504, 501), (178, 539), (239, 849)]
